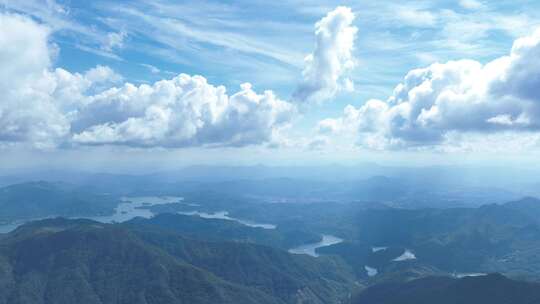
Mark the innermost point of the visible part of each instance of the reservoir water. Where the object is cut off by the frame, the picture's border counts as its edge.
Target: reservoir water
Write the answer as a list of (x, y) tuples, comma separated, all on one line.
[(377, 249), (311, 249), (224, 215), (371, 272), (406, 256), (132, 207), (129, 208)]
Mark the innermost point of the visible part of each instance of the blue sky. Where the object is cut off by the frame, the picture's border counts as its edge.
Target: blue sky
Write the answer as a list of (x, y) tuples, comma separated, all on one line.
[(394, 37), (264, 43)]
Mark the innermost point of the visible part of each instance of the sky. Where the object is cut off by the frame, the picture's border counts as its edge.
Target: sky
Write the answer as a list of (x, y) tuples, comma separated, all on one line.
[(161, 84)]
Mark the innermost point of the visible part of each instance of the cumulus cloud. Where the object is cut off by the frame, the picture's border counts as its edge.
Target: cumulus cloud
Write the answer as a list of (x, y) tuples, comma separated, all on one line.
[(183, 111), (27, 112), (102, 74), (458, 97), (318, 143), (48, 107), (326, 68)]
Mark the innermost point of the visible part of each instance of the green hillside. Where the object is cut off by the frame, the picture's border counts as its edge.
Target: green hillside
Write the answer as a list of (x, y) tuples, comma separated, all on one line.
[(68, 261)]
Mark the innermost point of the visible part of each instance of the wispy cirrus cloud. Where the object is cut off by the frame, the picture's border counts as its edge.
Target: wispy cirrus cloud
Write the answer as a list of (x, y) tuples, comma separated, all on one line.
[(62, 20), (193, 30), (151, 68)]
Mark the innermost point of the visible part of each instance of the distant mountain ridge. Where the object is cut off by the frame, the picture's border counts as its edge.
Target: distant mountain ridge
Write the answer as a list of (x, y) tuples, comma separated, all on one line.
[(423, 187), (489, 289), (44, 199)]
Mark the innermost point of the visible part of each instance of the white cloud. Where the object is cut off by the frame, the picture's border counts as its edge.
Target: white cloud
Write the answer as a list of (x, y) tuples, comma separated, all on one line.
[(471, 4), (179, 28), (151, 68), (24, 51), (469, 30), (102, 74), (457, 97), (48, 107), (326, 68), (27, 112), (415, 17), (114, 41), (183, 111), (329, 126), (89, 38), (318, 143)]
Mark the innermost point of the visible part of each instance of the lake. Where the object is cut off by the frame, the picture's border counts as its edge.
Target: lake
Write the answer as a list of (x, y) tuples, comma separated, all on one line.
[(132, 207), (129, 208), (406, 256), (224, 215), (371, 272), (471, 274), (377, 249), (310, 249)]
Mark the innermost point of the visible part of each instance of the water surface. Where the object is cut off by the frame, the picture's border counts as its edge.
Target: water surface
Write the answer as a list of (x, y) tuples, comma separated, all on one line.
[(224, 215), (132, 207), (310, 249), (470, 274), (371, 272), (377, 249), (129, 208), (406, 256)]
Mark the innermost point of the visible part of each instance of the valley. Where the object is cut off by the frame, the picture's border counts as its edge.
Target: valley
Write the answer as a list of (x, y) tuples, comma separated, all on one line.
[(354, 244)]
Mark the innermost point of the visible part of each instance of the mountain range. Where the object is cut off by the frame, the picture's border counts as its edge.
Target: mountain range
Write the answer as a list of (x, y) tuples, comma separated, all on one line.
[(67, 261)]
